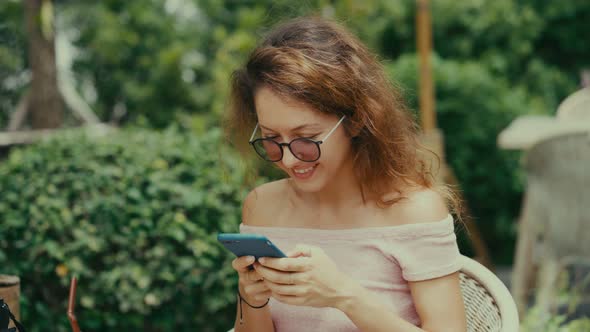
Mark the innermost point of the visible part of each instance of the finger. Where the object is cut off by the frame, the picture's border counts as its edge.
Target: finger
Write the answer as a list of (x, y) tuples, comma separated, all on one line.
[(241, 264), (256, 288), (262, 296), (249, 277), (280, 277), (299, 264), (275, 276), (254, 276), (301, 250), (294, 290)]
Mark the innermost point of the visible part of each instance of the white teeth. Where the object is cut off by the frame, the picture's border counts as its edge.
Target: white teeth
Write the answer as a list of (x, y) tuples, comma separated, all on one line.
[(302, 171)]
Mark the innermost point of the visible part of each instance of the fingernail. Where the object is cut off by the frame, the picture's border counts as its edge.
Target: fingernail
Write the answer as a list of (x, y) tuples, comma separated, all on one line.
[(262, 260), (250, 259)]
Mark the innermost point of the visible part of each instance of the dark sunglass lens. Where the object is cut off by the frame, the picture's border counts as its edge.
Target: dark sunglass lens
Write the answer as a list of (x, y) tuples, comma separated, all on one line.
[(268, 149), (305, 149)]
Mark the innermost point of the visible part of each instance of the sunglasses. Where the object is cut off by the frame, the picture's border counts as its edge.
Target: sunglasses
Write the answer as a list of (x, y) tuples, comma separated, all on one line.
[(303, 148)]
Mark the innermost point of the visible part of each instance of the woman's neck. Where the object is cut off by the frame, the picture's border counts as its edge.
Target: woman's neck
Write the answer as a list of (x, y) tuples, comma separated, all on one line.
[(344, 192)]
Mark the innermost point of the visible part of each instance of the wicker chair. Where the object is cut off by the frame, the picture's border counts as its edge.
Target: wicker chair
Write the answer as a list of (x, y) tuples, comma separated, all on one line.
[(488, 303)]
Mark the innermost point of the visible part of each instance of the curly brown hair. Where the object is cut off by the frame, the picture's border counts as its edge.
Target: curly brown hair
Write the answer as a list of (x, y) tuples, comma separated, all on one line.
[(318, 62)]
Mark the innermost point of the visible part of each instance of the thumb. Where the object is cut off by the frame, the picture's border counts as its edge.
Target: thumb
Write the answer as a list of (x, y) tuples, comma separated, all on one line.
[(300, 250)]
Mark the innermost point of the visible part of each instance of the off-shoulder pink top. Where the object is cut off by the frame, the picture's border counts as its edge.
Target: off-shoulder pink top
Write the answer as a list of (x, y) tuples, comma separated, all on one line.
[(382, 259)]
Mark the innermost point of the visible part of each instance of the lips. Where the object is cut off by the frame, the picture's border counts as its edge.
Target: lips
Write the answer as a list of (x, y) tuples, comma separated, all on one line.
[(304, 173)]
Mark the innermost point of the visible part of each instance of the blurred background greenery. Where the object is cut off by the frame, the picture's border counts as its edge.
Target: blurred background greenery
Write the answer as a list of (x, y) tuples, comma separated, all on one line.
[(135, 213)]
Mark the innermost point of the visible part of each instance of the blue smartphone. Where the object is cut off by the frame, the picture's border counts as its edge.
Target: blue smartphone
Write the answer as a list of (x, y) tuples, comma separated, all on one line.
[(244, 244)]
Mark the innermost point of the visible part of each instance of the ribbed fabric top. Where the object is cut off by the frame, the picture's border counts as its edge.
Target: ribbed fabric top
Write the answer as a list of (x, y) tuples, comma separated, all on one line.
[(382, 259)]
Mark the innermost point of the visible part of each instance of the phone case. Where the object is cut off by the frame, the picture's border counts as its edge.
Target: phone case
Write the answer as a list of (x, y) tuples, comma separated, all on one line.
[(242, 244)]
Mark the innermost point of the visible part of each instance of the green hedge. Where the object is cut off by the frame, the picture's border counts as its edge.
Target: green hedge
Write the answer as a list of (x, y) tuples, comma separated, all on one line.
[(134, 214)]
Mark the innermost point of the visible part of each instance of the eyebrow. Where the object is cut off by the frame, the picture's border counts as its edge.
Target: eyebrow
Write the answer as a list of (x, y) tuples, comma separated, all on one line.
[(305, 126)]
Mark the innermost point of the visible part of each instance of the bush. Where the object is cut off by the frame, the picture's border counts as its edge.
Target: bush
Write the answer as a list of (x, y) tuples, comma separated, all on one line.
[(135, 216), (536, 320)]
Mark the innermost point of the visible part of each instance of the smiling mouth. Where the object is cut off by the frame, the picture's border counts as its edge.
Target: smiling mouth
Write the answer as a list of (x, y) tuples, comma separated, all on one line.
[(304, 173)]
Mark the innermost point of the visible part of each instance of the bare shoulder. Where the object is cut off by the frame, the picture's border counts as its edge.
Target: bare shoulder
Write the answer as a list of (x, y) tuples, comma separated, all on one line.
[(420, 205), (262, 203)]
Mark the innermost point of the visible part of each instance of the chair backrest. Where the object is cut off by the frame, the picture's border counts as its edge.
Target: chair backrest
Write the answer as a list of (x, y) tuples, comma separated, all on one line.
[(575, 106), (488, 303), (557, 194)]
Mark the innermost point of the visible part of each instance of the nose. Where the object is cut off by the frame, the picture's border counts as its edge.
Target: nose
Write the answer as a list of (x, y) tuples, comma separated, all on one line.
[(289, 159)]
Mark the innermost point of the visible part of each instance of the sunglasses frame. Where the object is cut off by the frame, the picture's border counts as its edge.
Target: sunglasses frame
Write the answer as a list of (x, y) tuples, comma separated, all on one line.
[(253, 141)]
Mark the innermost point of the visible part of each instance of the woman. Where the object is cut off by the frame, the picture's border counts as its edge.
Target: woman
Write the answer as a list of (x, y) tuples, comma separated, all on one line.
[(371, 240)]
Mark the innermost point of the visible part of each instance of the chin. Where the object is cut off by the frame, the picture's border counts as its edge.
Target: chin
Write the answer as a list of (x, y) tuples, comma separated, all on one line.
[(312, 185), (307, 187)]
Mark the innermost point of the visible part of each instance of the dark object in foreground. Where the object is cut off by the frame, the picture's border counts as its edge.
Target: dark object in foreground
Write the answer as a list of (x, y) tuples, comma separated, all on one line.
[(6, 316)]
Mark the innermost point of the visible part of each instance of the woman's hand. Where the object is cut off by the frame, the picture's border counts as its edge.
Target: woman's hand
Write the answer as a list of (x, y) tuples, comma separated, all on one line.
[(252, 287), (307, 277)]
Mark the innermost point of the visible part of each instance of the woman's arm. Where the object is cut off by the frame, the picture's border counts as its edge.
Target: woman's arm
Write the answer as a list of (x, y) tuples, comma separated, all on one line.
[(252, 319), (258, 320), (438, 303)]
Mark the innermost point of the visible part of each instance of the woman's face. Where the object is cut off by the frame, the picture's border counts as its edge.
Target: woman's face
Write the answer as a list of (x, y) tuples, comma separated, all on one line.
[(285, 120)]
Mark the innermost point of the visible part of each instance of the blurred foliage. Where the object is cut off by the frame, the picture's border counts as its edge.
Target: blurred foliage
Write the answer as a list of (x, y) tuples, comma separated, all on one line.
[(158, 63), (166, 61), (135, 215), (568, 313), (13, 73), (169, 59), (145, 58), (505, 36), (537, 321)]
